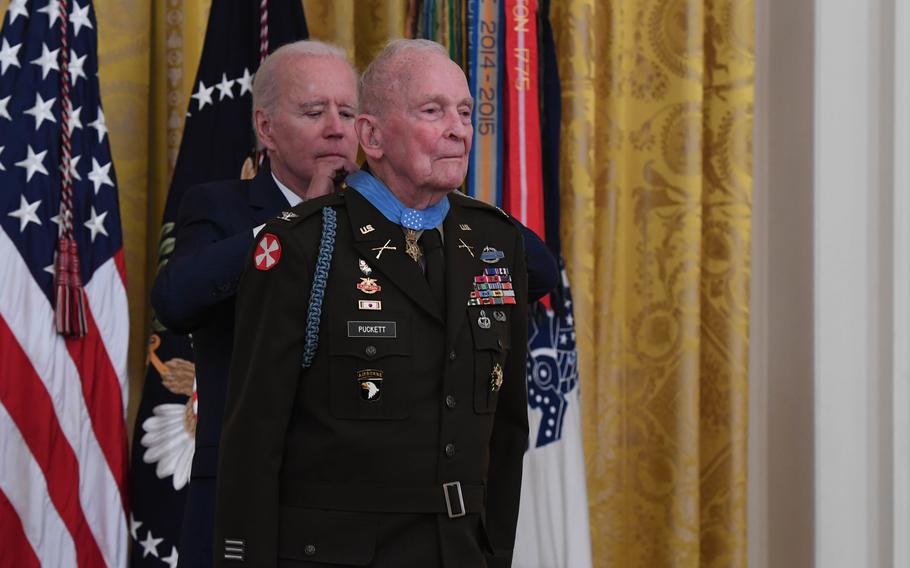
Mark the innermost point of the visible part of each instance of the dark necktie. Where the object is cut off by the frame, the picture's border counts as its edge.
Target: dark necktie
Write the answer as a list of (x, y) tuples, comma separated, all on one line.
[(435, 264)]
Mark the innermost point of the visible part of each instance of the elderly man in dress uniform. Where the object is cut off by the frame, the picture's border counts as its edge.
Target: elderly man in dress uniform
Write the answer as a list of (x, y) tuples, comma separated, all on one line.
[(377, 410)]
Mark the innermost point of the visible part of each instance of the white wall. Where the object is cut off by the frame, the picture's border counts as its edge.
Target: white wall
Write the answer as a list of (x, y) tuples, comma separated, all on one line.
[(830, 369), (781, 511)]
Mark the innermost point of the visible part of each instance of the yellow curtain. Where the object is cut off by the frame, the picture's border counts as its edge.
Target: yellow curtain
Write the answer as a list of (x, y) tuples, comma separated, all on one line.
[(148, 57), (656, 207), (656, 201), (360, 26)]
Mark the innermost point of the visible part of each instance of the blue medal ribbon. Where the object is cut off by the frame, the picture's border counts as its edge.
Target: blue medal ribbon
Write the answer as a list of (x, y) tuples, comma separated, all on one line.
[(382, 198)]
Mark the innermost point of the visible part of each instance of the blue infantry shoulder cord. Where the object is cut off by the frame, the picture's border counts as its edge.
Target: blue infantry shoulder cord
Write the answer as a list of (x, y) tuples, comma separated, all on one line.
[(320, 279)]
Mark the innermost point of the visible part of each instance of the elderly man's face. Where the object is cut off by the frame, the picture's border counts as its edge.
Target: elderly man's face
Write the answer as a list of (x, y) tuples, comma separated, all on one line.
[(313, 119), (428, 130)]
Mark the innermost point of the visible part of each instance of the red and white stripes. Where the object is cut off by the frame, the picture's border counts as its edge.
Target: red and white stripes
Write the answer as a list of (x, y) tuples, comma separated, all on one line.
[(62, 422)]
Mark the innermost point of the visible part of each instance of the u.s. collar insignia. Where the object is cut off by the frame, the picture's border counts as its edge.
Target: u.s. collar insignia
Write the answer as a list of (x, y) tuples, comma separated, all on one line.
[(366, 229), (464, 227), (491, 256), (287, 215), (370, 381), (369, 286)]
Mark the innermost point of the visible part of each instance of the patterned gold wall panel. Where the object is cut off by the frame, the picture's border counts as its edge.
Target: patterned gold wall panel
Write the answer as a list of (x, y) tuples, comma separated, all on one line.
[(360, 26), (176, 29), (123, 57), (656, 174)]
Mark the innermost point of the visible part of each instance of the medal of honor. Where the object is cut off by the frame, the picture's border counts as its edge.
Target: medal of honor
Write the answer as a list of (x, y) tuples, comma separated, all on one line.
[(410, 245)]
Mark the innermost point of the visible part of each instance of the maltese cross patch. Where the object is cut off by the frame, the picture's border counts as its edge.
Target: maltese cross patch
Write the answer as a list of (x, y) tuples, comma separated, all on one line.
[(268, 251)]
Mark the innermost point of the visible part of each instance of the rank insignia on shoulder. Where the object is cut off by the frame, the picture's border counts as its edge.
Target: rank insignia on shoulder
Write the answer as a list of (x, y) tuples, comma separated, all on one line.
[(234, 549), (491, 256), (496, 378), (287, 215), (268, 252), (369, 286), (370, 381)]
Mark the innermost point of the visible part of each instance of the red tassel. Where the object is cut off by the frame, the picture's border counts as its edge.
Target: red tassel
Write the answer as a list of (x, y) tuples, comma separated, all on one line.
[(70, 307)]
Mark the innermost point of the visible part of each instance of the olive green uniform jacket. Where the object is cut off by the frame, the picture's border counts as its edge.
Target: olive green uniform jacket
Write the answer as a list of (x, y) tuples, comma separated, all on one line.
[(402, 444)]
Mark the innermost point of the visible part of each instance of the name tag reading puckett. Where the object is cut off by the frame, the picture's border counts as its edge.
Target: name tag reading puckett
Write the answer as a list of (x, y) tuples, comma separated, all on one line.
[(388, 329)]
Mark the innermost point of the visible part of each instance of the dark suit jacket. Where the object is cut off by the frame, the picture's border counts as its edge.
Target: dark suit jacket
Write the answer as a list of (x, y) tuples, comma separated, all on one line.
[(194, 293), (315, 468)]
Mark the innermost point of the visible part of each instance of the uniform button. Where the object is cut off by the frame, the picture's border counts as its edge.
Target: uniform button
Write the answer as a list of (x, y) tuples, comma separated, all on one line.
[(450, 450), (309, 549), (450, 401), (452, 355), (370, 350), (499, 342)]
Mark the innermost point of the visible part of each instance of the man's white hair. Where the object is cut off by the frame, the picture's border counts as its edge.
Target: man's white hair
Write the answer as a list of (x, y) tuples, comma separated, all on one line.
[(268, 78), (384, 75)]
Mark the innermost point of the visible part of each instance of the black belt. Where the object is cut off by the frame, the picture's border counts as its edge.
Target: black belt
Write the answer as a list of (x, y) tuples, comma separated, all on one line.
[(451, 498)]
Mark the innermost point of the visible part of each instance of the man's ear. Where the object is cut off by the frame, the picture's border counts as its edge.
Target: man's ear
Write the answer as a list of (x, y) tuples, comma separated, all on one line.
[(369, 135), (263, 123)]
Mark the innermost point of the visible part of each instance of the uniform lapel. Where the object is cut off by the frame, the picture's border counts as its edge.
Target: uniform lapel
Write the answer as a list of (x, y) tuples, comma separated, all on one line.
[(462, 264), (381, 244), (266, 200)]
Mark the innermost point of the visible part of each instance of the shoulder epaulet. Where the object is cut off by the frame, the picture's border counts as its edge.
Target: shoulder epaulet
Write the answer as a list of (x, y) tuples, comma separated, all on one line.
[(294, 215), (468, 201)]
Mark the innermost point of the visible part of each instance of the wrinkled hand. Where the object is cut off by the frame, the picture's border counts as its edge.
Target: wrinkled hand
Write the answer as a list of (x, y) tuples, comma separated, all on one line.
[(327, 174)]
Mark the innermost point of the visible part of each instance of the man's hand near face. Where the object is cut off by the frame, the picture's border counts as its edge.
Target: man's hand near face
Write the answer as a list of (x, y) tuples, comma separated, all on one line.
[(327, 175)]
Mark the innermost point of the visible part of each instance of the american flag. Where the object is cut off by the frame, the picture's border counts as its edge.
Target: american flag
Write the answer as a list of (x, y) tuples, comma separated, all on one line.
[(62, 400)]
